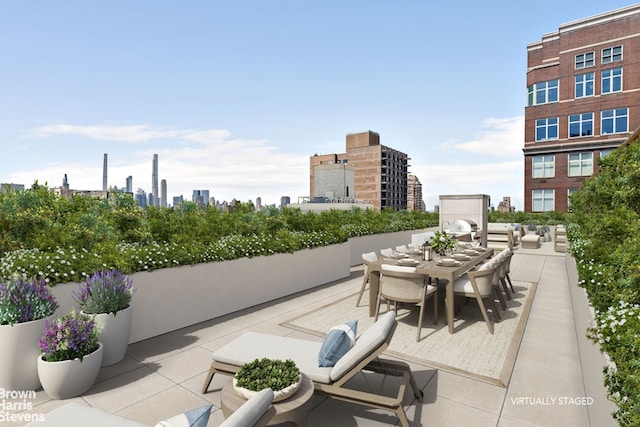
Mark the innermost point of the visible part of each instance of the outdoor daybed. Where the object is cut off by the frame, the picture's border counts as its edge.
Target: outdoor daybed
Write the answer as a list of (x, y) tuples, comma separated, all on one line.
[(330, 380)]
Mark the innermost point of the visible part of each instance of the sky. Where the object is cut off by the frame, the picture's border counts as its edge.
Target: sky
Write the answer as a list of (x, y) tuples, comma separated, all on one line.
[(235, 96)]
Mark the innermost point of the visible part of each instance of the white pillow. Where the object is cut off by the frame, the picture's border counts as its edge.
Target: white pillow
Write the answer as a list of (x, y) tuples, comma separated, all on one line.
[(194, 418)]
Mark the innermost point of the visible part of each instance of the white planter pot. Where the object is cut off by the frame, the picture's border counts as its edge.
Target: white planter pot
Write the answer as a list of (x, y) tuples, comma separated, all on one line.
[(20, 348), (278, 395), (70, 378), (113, 333)]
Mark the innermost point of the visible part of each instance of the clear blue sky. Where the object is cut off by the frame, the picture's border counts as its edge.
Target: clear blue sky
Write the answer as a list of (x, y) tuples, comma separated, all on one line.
[(235, 96)]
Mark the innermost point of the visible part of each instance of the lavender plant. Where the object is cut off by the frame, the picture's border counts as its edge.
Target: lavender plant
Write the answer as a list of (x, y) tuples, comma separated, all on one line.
[(23, 300), (69, 337), (105, 291)]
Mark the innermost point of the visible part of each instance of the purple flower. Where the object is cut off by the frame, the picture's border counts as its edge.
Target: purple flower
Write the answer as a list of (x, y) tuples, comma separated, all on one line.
[(106, 291), (69, 337), (23, 300)]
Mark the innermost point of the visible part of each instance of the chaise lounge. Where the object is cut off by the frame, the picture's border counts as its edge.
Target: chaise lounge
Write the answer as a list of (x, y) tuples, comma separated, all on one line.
[(329, 380)]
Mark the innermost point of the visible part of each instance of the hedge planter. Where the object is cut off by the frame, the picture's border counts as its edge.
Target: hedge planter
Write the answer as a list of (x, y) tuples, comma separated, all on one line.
[(70, 378), (114, 332), (19, 350)]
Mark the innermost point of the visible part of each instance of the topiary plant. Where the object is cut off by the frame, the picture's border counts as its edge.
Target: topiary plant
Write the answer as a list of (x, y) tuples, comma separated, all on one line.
[(267, 373)]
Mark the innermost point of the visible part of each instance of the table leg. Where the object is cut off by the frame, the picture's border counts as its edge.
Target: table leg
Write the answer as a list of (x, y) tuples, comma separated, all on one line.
[(449, 303), (374, 286)]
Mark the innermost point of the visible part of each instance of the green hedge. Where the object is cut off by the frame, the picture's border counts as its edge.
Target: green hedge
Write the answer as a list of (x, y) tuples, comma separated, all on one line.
[(45, 235), (605, 241)]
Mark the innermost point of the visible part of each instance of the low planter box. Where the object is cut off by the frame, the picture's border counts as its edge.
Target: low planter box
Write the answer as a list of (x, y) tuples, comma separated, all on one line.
[(174, 298)]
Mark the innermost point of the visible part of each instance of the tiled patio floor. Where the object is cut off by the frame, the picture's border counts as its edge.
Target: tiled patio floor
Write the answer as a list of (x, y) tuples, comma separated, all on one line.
[(163, 376)]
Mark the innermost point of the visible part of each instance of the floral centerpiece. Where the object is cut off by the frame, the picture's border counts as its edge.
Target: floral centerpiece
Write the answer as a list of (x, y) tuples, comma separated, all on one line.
[(282, 376), (106, 291), (72, 336), (23, 300), (442, 242), (71, 355), (107, 295)]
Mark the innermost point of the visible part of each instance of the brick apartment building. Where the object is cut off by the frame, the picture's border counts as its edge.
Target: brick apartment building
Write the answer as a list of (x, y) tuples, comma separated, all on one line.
[(378, 173), (583, 101)]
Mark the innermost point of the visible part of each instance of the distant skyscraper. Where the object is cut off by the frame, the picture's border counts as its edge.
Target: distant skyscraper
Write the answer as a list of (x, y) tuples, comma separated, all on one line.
[(163, 192), (154, 181), (129, 186), (141, 198), (258, 203), (177, 200), (104, 173), (205, 197), (284, 201)]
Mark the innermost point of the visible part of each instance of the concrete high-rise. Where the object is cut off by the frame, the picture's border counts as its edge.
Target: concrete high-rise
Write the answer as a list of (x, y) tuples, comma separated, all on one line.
[(154, 181), (163, 193), (104, 173), (583, 84)]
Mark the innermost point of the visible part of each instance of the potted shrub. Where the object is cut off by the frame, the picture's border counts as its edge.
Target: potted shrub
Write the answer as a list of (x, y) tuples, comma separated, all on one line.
[(25, 305), (107, 295), (282, 376), (443, 242), (71, 356)]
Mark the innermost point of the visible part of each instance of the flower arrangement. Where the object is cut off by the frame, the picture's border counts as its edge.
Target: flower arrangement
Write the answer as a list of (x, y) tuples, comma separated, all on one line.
[(442, 241), (23, 300), (72, 336), (106, 291), (267, 373)]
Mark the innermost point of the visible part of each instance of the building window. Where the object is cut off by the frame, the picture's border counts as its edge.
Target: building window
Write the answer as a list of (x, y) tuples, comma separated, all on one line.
[(606, 152), (584, 60), (547, 129), (584, 85), (580, 125), (570, 192), (614, 121), (543, 166), (543, 93), (580, 164), (612, 80), (612, 54), (543, 200)]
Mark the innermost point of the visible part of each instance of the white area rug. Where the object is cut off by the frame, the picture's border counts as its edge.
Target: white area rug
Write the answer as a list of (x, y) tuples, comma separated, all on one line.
[(470, 351)]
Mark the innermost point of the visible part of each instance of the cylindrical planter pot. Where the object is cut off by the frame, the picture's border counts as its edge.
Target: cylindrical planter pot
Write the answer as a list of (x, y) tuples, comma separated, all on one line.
[(20, 347), (70, 378), (114, 332)]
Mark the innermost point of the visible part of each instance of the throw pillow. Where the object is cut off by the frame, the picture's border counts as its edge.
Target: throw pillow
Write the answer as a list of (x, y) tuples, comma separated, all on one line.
[(194, 418), (339, 340)]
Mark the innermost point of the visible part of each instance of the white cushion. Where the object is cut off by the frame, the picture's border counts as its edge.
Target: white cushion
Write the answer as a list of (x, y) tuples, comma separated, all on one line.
[(250, 411), (338, 341), (366, 343), (198, 417)]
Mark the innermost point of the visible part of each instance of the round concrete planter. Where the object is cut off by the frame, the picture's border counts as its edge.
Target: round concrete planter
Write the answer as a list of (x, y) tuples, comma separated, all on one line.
[(20, 348), (70, 378), (114, 332)]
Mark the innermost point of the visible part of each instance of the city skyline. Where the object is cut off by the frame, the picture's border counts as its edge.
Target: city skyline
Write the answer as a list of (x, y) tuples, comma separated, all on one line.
[(236, 102)]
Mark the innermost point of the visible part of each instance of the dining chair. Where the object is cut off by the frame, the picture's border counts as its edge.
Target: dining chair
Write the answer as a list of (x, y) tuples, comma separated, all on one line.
[(478, 284), (367, 259), (507, 264), (386, 253), (402, 248), (399, 284), (504, 256)]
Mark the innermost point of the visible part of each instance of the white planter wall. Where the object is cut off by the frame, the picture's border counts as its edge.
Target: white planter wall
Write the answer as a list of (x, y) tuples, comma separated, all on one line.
[(173, 298)]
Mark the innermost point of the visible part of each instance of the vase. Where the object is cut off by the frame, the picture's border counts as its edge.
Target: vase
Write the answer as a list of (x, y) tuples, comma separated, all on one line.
[(277, 395), (114, 331), (20, 348), (70, 378)]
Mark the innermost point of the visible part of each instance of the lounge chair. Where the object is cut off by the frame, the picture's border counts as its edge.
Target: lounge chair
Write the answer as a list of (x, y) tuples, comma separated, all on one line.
[(332, 381)]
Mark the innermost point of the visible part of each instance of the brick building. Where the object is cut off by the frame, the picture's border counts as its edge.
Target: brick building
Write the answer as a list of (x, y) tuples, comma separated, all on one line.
[(379, 172), (583, 101)]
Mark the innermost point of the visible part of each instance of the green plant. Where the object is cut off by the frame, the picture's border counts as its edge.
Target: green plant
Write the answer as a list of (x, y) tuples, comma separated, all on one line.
[(442, 242), (72, 336), (106, 291), (23, 300), (267, 373)]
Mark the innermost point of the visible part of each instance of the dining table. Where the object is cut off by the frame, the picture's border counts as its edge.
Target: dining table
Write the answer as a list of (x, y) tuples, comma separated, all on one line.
[(434, 269)]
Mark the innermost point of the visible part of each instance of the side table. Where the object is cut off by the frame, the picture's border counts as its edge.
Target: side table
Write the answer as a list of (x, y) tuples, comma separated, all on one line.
[(293, 409)]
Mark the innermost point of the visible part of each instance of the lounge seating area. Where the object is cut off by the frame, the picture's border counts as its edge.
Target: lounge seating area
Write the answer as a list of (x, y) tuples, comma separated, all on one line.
[(163, 376)]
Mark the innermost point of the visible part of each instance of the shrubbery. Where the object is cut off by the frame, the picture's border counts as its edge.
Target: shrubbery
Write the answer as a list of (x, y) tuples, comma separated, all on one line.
[(47, 236), (605, 241)]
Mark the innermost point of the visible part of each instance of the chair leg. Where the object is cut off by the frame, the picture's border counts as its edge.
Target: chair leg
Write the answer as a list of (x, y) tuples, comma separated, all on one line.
[(510, 284), (365, 280), (207, 380), (424, 302), (435, 307), (503, 303), (485, 316), (378, 302), (503, 282), (494, 308)]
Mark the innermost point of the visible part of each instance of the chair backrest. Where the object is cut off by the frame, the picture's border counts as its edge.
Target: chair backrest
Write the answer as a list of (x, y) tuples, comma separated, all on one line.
[(401, 283), (402, 248), (387, 252), (483, 278), (250, 412), (419, 239), (369, 257)]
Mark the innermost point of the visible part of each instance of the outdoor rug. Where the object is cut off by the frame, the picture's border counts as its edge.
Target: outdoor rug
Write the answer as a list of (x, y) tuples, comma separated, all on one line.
[(471, 351)]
